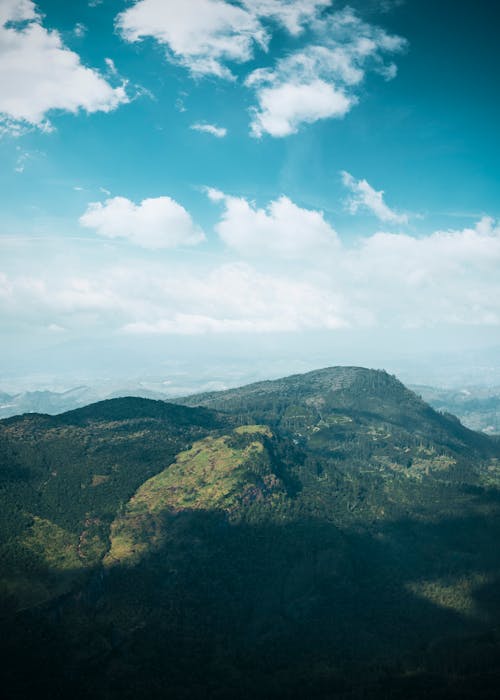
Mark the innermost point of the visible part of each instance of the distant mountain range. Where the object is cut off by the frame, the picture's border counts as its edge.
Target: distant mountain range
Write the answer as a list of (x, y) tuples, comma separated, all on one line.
[(477, 408), (326, 535), (52, 402)]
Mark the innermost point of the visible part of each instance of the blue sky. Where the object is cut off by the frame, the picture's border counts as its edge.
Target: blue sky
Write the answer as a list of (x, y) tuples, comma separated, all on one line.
[(249, 177)]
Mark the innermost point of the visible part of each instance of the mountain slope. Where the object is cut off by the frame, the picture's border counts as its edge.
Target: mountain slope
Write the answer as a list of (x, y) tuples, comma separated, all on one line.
[(326, 535), (214, 474), (369, 392), (63, 478), (367, 414)]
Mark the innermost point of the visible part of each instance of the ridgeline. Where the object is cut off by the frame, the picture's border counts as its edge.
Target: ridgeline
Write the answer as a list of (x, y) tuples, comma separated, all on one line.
[(326, 535)]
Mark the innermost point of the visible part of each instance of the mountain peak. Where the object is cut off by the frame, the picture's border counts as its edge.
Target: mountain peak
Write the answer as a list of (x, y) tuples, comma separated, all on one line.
[(317, 381), (301, 404)]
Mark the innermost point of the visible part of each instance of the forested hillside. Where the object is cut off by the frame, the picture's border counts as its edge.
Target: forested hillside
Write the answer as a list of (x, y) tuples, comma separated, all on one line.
[(327, 535), (64, 478)]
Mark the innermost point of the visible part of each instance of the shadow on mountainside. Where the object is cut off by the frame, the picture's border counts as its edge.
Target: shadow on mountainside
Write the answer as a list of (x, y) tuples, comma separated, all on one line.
[(299, 609)]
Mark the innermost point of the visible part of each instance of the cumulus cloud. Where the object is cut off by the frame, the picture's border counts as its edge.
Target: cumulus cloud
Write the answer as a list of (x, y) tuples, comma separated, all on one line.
[(364, 196), (282, 229), (39, 74), (154, 223), (317, 81), (206, 35), (217, 131), (385, 280), (283, 107), (448, 277), (201, 34), (320, 80)]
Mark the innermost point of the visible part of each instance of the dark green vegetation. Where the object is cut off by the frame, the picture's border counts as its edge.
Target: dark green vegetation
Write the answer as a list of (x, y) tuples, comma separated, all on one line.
[(64, 479), (327, 535)]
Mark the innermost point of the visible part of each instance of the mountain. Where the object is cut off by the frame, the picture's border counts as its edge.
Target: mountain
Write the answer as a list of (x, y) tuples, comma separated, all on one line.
[(477, 407), (325, 407), (42, 401), (54, 402), (65, 477), (326, 535)]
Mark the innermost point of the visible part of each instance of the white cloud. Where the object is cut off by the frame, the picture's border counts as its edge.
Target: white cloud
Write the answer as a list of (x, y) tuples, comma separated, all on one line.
[(200, 34), (39, 74), (237, 298), (294, 15), (389, 281), (384, 280), (284, 107), (363, 196), (231, 298), (217, 131), (320, 80), (111, 66), (154, 223), (317, 81), (446, 277), (206, 35), (282, 229), (80, 30), (17, 11), (38, 298)]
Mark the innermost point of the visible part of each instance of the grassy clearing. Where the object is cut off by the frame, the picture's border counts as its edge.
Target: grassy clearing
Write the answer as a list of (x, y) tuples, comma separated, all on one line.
[(212, 475)]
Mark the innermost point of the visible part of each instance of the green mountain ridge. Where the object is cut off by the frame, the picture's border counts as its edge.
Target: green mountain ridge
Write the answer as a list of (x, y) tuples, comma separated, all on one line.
[(317, 401), (327, 535), (69, 474), (477, 407)]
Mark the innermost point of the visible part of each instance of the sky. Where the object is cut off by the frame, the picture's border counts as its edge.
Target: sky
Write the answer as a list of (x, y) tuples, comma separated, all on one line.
[(246, 188)]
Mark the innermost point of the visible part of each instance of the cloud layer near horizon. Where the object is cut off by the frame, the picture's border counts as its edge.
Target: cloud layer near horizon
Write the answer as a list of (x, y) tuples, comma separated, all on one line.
[(284, 269)]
